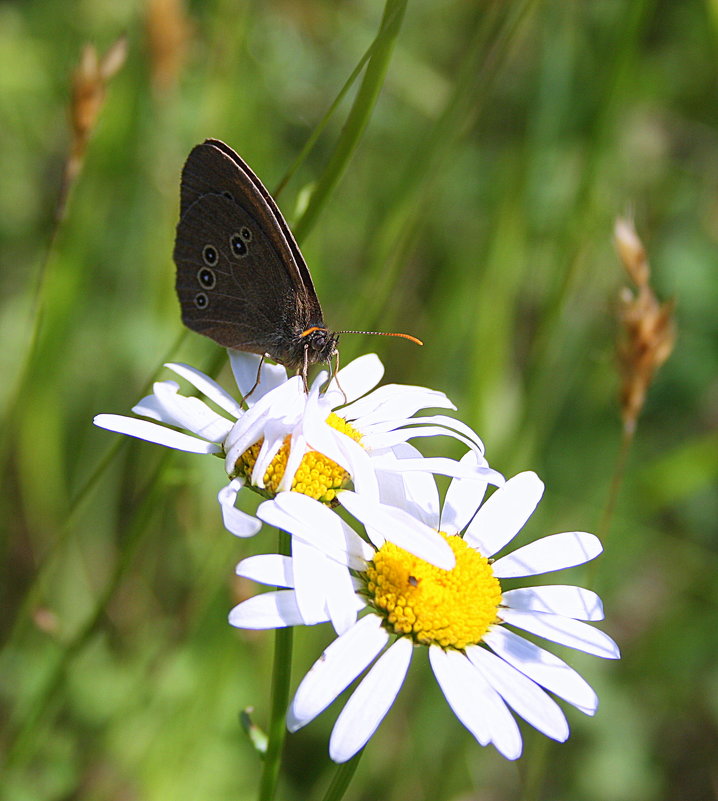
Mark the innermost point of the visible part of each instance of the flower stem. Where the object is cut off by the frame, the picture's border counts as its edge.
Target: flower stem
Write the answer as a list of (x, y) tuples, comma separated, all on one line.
[(281, 675), (342, 777)]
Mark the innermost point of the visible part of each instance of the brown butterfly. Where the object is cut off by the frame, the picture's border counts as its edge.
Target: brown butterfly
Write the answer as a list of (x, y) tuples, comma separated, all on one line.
[(241, 278)]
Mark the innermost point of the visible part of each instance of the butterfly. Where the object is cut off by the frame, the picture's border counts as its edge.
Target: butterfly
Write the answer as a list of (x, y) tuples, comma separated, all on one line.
[(241, 278)]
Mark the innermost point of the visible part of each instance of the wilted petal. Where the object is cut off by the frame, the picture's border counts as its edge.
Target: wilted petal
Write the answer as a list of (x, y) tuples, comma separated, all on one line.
[(236, 521)]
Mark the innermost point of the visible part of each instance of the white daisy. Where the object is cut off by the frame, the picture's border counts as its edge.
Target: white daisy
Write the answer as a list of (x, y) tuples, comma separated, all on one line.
[(463, 616), (287, 439)]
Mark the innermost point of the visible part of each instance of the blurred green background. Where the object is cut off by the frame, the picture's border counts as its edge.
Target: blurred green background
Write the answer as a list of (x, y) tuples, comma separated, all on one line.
[(476, 211)]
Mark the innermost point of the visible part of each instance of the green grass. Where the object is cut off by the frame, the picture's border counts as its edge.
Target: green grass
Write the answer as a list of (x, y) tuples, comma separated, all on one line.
[(464, 190)]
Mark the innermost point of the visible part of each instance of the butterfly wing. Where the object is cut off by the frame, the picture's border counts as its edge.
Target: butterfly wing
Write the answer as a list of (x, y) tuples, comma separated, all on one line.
[(241, 278)]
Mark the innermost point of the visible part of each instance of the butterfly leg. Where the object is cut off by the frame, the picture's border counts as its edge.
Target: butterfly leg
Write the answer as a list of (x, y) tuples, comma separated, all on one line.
[(305, 368), (258, 379)]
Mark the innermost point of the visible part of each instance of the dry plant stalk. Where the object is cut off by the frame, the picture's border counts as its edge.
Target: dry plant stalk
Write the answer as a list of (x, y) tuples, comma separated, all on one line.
[(648, 330), (646, 340), (168, 32), (89, 87)]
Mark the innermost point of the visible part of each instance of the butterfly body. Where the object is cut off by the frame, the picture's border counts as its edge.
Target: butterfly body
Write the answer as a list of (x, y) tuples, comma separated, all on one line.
[(241, 278)]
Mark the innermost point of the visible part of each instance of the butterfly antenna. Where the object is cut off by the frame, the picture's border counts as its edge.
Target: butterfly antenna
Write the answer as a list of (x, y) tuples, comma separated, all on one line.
[(415, 340)]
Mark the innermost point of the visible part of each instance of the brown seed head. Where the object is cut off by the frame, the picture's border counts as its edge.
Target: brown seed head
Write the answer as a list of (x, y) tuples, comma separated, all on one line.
[(648, 330)]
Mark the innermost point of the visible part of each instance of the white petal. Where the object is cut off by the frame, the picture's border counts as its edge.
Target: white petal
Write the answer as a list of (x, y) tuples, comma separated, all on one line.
[(370, 702), (475, 703), (274, 433), (522, 694), (400, 528), (297, 451), (561, 599), (151, 432), (388, 433), (190, 413), (267, 568), (394, 402), (208, 387), (339, 448), (336, 669), (440, 425), (438, 465), (503, 515), (150, 407), (270, 610), (555, 552), (543, 667), (354, 380), (463, 498), (564, 631), (317, 525), (235, 520), (342, 601), (245, 367), (308, 567), (284, 404), (416, 492)]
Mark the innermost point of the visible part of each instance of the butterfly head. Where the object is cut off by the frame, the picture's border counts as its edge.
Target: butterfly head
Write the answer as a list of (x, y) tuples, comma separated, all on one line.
[(320, 344)]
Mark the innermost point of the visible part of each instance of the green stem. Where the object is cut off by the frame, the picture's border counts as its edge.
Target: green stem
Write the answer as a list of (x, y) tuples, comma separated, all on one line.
[(281, 675), (359, 114), (342, 778)]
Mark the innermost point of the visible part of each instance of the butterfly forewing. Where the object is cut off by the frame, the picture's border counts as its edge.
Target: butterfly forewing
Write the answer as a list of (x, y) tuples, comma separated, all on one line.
[(240, 276)]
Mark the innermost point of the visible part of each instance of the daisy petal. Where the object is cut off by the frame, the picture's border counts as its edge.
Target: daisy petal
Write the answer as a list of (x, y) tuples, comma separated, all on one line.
[(342, 601), (150, 407), (522, 694), (308, 567), (245, 367), (336, 669), (394, 402), (564, 631), (370, 702), (270, 610), (208, 387), (543, 667), (267, 568), (151, 432), (414, 492), (439, 465), (555, 552), (401, 528), (317, 525), (474, 702), (561, 599), (503, 515), (190, 413), (439, 424), (354, 380), (235, 520), (343, 450), (462, 498)]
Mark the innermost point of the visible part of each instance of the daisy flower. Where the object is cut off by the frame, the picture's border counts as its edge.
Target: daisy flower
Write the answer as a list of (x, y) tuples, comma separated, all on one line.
[(315, 443), (463, 617)]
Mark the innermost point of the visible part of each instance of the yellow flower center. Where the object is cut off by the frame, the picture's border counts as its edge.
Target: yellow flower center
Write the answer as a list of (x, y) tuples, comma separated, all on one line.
[(317, 476), (451, 608)]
